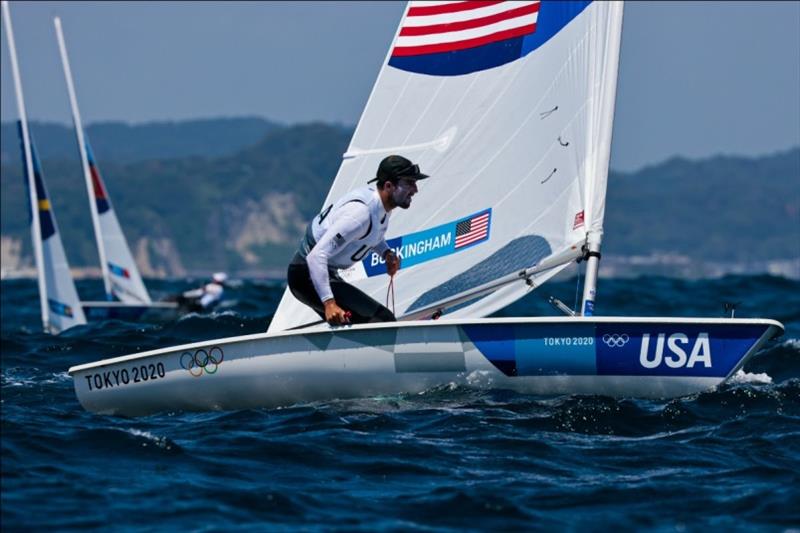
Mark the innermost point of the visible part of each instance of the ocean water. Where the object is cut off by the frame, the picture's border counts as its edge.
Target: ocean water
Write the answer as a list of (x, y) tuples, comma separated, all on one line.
[(449, 459)]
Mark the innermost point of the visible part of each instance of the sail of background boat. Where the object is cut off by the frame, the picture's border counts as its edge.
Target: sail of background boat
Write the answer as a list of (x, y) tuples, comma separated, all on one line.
[(120, 274), (59, 302)]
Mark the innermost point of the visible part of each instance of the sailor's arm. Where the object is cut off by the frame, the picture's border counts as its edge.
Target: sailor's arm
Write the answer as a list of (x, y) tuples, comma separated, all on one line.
[(334, 314), (392, 261), (193, 293)]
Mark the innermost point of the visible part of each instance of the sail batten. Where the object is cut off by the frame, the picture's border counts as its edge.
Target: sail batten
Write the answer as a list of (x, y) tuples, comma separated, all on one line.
[(528, 122)]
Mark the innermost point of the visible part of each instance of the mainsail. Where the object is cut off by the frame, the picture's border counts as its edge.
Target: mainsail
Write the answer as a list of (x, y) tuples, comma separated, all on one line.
[(120, 273), (509, 107)]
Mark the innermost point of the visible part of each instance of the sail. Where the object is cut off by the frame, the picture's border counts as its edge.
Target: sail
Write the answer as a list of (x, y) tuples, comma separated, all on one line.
[(123, 274), (508, 106), (120, 273), (63, 305), (58, 298)]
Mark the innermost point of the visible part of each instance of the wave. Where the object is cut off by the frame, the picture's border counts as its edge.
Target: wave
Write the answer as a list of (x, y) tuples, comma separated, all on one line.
[(455, 456)]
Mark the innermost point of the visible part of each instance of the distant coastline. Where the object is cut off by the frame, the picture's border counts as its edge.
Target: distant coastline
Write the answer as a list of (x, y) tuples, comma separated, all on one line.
[(236, 194)]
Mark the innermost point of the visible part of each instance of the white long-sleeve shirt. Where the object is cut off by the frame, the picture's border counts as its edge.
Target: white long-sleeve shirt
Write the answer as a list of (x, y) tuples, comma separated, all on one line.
[(344, 234)]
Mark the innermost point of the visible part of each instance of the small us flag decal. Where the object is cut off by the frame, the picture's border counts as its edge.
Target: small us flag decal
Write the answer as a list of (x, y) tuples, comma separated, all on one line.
[(473, 230)]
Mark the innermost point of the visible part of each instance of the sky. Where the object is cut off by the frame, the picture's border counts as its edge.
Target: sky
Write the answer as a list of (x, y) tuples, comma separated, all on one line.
[(696, 79)]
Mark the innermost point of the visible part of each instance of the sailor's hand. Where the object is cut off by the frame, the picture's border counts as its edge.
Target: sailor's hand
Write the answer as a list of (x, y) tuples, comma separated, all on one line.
[(392, 262), (334, 314)]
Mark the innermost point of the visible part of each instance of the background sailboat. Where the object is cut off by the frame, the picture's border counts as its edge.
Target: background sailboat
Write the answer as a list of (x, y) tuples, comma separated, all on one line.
[(509, 107), (126, 293), (60, 306)]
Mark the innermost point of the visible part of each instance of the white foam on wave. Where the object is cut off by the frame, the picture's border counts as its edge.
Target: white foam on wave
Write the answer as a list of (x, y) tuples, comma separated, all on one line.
[(12, 378), (16, 381), (480, 379), (209, 316), (477, 379), (791, 343), (746, 377), (58, 377), (161, 442)]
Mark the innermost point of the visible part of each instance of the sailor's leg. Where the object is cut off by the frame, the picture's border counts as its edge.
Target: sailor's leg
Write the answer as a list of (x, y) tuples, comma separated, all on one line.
[(299, 280), (362, 308)]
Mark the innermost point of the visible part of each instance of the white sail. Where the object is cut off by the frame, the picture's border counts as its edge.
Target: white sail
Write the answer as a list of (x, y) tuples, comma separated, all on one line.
[(123, 274), (63, 304), (120, 273), (509, 108), (60, 306)]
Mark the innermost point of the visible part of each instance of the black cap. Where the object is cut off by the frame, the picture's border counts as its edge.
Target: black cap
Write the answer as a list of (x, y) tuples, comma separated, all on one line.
[(395, 167)]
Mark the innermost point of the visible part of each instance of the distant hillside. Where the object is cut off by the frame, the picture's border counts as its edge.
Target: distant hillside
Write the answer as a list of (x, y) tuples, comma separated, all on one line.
[(239, 212), (722, 208), (245, 211), (124, 143)]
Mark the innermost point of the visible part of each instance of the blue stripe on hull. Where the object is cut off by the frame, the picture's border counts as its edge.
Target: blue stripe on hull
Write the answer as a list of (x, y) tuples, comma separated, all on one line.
[(608, 349)]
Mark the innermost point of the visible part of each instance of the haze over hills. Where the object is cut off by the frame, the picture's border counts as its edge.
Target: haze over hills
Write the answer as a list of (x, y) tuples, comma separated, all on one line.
[(235, 195), (123, 143)]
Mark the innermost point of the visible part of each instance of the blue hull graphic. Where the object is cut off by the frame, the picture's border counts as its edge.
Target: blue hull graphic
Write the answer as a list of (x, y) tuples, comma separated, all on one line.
[(616, 349)]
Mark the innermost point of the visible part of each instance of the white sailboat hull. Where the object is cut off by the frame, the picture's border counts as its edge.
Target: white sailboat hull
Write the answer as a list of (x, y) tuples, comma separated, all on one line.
[(639, 357)]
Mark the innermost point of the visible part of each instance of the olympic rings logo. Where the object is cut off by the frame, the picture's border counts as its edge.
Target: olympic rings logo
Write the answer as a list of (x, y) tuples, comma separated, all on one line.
[(616, 341), (202, 360)]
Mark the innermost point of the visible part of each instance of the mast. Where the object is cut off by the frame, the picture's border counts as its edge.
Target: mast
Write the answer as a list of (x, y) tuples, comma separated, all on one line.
[(600, 134), (87, 174), (590, 281), (26, 148)]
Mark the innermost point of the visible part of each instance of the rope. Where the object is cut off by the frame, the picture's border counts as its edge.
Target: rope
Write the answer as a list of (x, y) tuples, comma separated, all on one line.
[(390, 290)]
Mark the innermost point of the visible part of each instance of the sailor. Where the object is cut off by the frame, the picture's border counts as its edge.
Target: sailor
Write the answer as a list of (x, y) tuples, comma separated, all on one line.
[(205, 297), (344, 233)]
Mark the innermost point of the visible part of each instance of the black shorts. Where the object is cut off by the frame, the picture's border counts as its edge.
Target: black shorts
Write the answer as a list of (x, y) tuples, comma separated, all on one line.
[(363, 309)]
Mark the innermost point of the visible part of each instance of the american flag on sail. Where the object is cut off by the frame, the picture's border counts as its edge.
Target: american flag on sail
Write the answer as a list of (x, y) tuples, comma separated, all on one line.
[(473, 229), (436, 27), (579, 219)]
